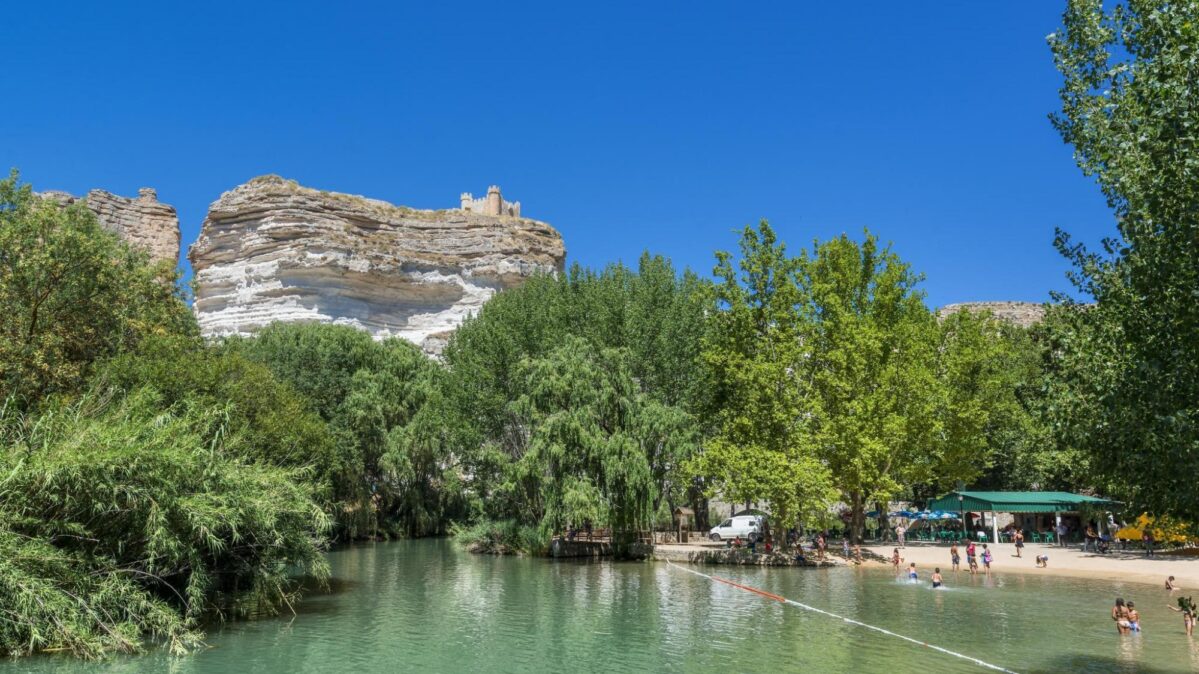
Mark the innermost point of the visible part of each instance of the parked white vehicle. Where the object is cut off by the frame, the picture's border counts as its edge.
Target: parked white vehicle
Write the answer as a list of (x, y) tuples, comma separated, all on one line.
[(748, 527)]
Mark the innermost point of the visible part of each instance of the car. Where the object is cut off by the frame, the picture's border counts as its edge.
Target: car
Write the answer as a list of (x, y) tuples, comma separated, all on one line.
[(748, 527)]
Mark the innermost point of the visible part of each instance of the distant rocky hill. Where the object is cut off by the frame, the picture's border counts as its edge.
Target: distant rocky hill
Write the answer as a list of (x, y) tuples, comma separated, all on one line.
[(1023, 314), (143, 221), (273, 250)]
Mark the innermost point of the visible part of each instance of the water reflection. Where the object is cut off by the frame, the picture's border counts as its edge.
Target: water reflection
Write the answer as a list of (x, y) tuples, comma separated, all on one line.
[(425, 605)]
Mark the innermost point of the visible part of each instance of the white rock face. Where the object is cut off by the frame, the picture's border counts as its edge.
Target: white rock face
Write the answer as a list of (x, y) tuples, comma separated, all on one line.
[(272, 250)]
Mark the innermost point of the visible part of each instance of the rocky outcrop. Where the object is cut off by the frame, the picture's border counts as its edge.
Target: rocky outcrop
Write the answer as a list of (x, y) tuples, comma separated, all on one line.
[(272, 250), (1023, 314), (144, 222)]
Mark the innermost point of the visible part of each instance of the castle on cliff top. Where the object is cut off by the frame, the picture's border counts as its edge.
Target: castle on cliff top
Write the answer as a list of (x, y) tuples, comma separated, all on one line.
[(492, 204)]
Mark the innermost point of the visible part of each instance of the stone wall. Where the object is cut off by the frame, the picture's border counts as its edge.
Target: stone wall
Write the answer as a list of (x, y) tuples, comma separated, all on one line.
[(492, 204)]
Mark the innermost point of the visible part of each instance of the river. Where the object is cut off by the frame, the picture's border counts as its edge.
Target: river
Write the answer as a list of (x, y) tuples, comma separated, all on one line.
[(427, 606)]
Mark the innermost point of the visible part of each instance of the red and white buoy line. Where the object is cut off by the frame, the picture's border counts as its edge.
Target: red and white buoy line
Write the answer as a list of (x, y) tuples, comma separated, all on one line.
[(851, 621)]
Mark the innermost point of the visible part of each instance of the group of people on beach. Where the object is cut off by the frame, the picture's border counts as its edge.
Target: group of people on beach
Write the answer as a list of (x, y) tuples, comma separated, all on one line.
[(972, 558), (955, 558)]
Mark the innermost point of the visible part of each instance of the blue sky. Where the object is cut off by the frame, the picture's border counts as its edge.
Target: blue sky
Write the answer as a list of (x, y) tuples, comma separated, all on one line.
[(628, 126)]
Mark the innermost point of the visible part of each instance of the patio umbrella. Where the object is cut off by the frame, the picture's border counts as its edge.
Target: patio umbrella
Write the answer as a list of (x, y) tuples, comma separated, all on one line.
[(901, 513)]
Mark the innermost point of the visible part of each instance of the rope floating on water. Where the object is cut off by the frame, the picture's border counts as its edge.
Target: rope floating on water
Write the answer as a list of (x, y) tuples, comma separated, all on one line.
[(851, 621)]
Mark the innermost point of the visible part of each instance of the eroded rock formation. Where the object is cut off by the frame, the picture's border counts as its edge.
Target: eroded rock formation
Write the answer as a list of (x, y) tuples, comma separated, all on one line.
[(144, 222), (1023, 314), (273, 250)]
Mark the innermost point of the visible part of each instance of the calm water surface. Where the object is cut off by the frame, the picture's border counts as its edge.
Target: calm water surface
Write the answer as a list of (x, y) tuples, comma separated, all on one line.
[(426, 606)]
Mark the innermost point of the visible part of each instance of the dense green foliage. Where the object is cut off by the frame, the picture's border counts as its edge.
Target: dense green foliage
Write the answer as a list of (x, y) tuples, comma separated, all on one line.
[(833, 380), (147, 481), (1128, 365), (382, 402), (571, 397), (118, 518), (275, 424), (71, 293)]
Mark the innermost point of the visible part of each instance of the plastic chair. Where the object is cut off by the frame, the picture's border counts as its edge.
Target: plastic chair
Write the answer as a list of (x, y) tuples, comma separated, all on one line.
[(1047, 537)]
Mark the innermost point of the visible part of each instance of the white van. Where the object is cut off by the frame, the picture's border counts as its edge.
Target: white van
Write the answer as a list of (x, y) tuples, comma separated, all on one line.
[(748, 527)]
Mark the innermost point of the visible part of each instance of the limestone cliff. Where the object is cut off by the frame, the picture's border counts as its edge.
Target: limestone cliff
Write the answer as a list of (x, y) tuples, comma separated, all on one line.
[(272, 250), (1023, 314), (144, 222)]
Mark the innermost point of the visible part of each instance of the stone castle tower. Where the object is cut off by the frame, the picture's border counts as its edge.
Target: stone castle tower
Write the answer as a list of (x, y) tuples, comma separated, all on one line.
[(492, 204)]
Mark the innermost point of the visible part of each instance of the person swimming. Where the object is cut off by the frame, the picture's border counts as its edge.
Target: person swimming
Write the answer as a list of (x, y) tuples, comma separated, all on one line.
[(912, 575), (937, 582), (1134, 618)]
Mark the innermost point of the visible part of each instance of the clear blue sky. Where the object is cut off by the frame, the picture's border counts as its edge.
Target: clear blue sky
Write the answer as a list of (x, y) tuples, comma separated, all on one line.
[(627, 126)]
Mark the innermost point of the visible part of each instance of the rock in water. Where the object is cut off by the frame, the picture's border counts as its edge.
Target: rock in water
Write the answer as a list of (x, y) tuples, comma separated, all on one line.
[(144, 222), (273, 250)]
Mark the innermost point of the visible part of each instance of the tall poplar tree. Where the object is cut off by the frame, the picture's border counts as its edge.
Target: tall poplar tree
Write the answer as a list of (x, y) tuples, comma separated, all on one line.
[(1129, 363)]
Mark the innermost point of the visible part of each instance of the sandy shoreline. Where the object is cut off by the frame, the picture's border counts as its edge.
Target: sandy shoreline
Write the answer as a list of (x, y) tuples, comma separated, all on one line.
[(1124, 567)]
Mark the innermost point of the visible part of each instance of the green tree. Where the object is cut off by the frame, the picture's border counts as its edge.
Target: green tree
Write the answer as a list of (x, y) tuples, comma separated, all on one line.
[(754, 351), (72, 293), (118, 518), (870, 363), (1129, 374), (590, 438), (370, 393), (276, 426)]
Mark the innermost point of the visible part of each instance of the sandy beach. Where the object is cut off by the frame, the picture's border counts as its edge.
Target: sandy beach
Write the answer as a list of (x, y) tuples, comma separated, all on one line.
[(1127, 566)]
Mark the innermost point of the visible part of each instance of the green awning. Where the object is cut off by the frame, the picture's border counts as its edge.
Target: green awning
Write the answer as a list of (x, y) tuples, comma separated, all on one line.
[(1018, 501)]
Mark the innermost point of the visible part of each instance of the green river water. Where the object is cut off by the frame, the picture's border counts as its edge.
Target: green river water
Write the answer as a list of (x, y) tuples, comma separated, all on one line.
[(426, 606)]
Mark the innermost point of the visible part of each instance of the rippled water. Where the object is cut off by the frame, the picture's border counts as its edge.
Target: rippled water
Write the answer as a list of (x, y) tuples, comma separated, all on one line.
[(426, 606)]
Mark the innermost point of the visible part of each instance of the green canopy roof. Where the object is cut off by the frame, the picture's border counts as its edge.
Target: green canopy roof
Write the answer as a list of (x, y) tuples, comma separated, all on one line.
[(1017, 501)]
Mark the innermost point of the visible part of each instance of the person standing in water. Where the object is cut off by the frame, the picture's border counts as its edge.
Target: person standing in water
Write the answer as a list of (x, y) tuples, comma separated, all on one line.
[(1134, 618), (896, 560), (937, 582), (1120, 616), (912, 575), (1186, 606), (955, 557), (986, 559)]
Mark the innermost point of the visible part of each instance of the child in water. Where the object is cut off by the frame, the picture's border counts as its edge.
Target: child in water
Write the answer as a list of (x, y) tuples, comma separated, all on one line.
[(937, 582), (986, 559), (896, 560), (912, 575), (1134, 618)]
